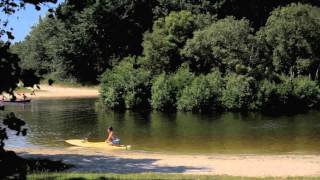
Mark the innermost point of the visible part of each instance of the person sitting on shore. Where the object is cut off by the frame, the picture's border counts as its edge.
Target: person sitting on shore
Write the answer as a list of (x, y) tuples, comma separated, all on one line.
[(112, 139)]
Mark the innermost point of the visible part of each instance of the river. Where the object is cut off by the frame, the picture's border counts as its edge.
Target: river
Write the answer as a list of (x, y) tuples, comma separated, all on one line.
[(51, 122)]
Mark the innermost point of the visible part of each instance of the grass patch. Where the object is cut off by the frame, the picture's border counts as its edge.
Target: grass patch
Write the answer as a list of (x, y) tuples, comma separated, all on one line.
[(45, 166), (149, 176)]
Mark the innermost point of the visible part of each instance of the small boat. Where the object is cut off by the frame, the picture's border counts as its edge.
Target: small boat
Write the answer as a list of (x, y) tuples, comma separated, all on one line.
[(101, 145), (16, 101)]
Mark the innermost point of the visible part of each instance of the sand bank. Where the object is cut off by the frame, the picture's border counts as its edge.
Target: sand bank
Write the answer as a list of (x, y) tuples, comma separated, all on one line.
[(95, 160), (63, 92)]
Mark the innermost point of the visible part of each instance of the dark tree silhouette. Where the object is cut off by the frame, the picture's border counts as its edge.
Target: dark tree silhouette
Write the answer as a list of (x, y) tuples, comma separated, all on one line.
[(10, 74)]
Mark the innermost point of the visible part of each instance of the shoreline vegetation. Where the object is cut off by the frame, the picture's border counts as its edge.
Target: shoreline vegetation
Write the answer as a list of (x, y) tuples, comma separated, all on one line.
[(222, 65), (199, 56), (186, 56)]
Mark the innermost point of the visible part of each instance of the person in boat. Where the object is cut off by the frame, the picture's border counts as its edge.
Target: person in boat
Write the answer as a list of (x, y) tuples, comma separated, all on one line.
[(24, 96), (112, 138)]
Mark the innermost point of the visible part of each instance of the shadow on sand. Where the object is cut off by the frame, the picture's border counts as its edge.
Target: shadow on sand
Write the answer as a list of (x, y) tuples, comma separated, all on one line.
[(112, 164)]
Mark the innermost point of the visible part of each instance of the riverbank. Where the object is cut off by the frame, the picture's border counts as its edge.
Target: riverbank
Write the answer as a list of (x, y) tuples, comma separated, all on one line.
[(56, 91), (99, 161)]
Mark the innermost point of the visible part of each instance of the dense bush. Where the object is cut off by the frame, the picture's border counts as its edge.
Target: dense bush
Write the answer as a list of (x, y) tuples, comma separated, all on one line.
[(202, 94), (126, 86), (166, 89), (289, 94), (238, 92), (267, 96), (275, 96), (163, 93), (306, 91)]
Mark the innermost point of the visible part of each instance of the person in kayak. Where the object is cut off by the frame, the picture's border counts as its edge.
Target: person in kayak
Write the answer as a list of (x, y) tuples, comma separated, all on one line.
[(112, 138), (24, 96)]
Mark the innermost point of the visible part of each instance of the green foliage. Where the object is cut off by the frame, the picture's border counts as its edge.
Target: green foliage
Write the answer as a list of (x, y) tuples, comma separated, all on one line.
[(125, 86), (163, 93), (10, 75), (272, 96), (39, 51), (182, 78), (167, 89), (293, 34), (102, 32), (168, 36), (164, 7), (202, 94), (86, 38), (289, 94), (225, 44), (238, 92), (9, 69), (306, 91), (202, 55), (256, 11), (267, 96)]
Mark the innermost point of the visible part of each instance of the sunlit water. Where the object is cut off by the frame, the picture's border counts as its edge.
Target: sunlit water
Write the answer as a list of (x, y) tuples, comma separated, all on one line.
[(50, 122)]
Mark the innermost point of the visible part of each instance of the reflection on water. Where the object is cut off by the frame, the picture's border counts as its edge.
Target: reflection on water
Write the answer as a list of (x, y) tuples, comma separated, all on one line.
[(52, 121)]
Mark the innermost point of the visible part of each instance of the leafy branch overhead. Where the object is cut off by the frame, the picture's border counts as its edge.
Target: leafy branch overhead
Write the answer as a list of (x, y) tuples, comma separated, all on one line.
[(9, 7)]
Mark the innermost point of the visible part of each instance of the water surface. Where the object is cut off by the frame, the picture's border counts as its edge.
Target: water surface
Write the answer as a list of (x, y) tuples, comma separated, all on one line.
[(50, 122)]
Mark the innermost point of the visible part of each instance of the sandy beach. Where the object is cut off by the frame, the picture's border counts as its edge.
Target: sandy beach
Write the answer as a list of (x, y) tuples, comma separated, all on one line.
[(56, 91), (95, 160)]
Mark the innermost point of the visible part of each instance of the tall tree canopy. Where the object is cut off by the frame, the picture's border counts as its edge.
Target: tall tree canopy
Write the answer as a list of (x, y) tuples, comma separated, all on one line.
[(293, 35), (94, 35)]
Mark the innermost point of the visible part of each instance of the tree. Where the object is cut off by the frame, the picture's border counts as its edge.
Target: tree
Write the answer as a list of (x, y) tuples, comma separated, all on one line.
[(10, 69), (10, 75), (126, 86), (161, 46), (164, 7), (255, 11), (39, 49), (100, 33), (293, 35), (224, 44)]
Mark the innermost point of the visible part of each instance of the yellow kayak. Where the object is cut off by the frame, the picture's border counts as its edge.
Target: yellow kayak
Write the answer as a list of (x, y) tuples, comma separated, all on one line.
[(102, 145)]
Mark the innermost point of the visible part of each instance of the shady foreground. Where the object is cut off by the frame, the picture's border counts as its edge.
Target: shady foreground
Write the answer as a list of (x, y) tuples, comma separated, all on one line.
[(87, 160)]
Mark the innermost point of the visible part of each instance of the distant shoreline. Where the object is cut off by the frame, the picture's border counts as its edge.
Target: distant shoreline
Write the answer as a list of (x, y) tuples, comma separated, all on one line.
[(56, 91)]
